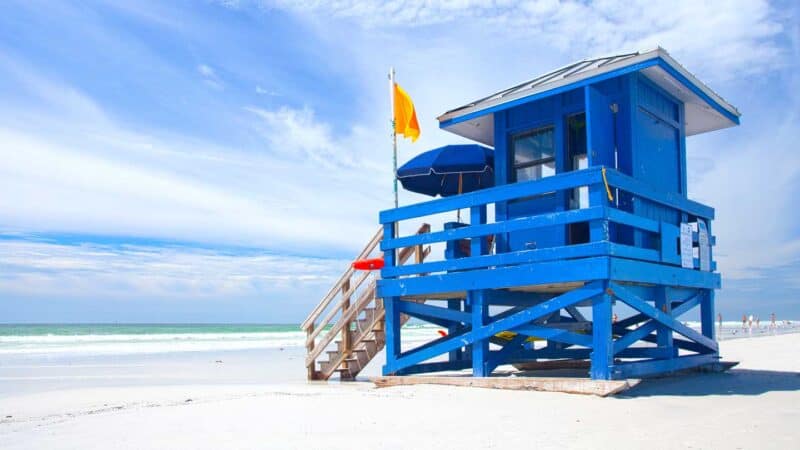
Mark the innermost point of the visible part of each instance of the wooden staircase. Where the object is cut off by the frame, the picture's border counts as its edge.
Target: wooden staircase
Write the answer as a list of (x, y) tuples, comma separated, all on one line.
[(358, 324)]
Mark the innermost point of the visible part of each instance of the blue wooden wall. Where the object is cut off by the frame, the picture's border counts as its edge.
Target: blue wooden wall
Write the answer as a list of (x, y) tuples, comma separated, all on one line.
[(632, 125)]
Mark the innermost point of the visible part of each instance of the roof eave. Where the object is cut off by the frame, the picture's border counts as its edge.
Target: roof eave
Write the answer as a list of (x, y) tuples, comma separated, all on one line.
[(658, 56)]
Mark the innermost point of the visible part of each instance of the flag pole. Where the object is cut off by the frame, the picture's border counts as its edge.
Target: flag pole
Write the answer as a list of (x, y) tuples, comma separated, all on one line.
[(394, 135)]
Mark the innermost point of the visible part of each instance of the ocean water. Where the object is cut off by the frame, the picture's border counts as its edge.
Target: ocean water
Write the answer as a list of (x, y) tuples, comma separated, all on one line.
[(131, 339), (126, 339)]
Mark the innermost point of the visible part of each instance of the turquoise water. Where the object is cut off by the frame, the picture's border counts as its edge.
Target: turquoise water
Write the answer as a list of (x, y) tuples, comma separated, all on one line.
[(144, 338), (123, 339), (126, 339), (138, 329)]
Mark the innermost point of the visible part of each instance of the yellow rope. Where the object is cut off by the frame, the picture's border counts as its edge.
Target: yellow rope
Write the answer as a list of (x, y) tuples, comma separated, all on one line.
[(608, 190)]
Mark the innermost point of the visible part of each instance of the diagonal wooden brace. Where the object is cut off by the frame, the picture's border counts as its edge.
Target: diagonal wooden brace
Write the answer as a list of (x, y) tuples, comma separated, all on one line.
[(452, 342), (632, 336), (659, 316)]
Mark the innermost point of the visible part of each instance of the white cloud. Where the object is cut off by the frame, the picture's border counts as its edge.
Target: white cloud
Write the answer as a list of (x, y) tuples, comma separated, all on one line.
[(210, 76), (48, 269), (753, 186), (712, 37), (69, 167), (263, 91)]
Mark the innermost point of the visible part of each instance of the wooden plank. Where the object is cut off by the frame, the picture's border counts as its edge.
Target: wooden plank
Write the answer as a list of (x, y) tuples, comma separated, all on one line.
[(423, 311), (661, 367), (644, 272), (503, 259), (481, 228), (585, 386), (562, 271), (550, 288), (555, 364), (504, 192), (673, 200)]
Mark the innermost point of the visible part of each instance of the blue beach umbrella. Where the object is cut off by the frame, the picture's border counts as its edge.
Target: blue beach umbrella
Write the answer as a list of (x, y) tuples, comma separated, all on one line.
[(449, 170)]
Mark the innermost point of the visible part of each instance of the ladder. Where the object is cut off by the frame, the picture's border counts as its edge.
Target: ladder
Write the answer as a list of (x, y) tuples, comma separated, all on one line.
[(345, 330)]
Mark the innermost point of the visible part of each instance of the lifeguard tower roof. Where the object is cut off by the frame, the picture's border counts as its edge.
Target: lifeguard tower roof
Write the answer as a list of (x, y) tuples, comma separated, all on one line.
[(704, 109)]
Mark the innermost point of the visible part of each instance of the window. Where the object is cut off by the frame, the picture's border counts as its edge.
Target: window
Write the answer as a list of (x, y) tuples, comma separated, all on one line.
[(576, 147), (534, 154)]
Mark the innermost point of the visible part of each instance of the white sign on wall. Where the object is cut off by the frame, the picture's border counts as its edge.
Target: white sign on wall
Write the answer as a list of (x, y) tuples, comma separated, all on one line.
[(687, 259), (704, 247)]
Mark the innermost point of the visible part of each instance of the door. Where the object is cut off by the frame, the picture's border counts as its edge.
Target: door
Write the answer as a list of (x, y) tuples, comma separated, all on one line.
[(533, 157), (577, 159)]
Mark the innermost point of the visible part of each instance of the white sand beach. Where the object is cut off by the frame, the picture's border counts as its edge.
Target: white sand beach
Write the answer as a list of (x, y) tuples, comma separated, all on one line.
[(259, 400)]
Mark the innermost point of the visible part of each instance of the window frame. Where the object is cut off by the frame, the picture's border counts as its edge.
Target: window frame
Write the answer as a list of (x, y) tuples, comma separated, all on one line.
[(537, 162)]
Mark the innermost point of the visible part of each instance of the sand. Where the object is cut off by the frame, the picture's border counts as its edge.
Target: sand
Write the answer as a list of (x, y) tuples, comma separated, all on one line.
[(212, 405)]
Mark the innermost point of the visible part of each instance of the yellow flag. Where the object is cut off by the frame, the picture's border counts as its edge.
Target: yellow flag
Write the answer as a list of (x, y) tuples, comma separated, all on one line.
[(405, 118)]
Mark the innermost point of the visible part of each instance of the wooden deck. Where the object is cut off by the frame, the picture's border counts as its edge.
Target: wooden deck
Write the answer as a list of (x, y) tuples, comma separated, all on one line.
[(584, 386)]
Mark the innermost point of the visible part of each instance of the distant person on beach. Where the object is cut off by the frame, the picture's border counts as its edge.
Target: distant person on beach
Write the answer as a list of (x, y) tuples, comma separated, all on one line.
[(758, 323), (719, 319), (772, 325), (744, 321), (750, 324)]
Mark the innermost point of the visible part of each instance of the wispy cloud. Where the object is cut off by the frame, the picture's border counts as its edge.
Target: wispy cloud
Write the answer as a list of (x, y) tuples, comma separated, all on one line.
[(210, 76), (112, 271), (714, 37), (71, 167), (263, 91)]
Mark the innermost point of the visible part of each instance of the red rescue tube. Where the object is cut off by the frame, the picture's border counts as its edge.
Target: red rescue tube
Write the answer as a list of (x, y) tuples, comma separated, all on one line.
[(368, 264)]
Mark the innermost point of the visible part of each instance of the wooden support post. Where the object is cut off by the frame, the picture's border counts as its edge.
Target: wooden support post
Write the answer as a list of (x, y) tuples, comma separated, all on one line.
[(312, 370), (664, 333), (480, 348), (602, 345), (389, 232), (707, 313), (392, 324), (347, 341), (478, 245), (598, 229), (457, 354)]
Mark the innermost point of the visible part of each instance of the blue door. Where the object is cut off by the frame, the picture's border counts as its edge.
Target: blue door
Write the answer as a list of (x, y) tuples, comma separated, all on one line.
[(660, 165), (533, 157)]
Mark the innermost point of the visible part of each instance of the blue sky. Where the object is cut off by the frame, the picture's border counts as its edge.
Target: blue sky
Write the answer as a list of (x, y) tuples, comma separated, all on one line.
[(221, 161)]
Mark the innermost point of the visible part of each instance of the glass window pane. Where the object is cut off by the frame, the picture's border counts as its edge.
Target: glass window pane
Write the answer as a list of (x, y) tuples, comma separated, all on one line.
[(576, 136), (536, 172), (580, 195), (534, 155), (534, 146)]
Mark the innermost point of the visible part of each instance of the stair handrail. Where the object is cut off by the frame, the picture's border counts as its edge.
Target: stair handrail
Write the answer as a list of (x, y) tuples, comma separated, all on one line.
[(348, 314), (353, 312), (338, 285)]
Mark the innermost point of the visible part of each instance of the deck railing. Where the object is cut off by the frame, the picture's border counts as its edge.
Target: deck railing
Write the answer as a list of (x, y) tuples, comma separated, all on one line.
[(659, 222)]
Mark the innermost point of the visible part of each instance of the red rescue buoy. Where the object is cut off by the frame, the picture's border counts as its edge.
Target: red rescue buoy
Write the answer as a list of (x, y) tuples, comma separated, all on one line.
[(442, 333), (368, 264)]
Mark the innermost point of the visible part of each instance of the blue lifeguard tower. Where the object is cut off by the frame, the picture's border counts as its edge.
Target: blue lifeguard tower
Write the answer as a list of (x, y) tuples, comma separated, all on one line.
[(587, 247)]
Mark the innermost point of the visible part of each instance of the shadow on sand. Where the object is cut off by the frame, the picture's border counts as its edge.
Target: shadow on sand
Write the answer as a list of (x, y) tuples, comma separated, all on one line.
[(733, 382)]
